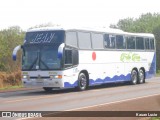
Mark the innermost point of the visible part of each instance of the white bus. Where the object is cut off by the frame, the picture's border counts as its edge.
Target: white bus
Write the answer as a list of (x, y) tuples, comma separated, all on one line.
[(78, 58)]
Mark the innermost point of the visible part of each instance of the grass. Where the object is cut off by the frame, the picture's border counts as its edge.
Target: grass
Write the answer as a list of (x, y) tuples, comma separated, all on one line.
[(10, 80), (155, 118), (11, 87), (158, 73)]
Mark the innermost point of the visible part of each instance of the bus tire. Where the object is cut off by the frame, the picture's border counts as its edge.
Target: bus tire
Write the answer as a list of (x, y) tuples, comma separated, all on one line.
[(82, 82), (141, 76), (134, 77), (48, 89)]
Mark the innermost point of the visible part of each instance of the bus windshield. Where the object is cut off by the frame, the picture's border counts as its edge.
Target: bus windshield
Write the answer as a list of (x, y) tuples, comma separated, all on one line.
[(40, 50), (40, 57)]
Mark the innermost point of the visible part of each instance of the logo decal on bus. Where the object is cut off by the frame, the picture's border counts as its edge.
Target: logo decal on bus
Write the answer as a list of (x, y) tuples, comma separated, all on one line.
[(130, 57), (93, 56)]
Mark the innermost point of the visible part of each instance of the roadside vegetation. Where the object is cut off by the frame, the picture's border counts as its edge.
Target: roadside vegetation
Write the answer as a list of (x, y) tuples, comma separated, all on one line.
[(10, 74), (158, 73), (11, 87), (155, 118), (10, 80)]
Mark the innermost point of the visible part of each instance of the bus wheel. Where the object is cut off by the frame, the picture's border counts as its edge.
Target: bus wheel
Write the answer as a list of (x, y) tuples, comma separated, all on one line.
[(48, 89), (82, 82), (141, 77), (134, 77)]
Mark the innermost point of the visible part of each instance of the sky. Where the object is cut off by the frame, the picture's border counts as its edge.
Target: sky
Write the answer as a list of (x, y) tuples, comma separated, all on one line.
[(82, 13)]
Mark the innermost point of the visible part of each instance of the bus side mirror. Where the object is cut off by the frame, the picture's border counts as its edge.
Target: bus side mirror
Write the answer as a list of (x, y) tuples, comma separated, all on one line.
[(60, 51), (14, 54)]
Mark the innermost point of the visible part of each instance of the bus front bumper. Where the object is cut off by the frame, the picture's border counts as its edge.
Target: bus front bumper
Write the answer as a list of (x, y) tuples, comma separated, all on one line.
[(55, 83)]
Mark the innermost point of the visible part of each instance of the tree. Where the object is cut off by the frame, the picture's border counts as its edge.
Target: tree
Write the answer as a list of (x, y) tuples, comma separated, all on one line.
[(126, 24), (9, 38), (156, 32), (146, 23)]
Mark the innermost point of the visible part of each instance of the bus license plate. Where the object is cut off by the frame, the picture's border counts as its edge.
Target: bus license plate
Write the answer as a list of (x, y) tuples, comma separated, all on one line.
[(39, 80)]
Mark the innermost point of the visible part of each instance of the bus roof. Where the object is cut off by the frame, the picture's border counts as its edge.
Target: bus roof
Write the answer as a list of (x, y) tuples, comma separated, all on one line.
[(100, 30)]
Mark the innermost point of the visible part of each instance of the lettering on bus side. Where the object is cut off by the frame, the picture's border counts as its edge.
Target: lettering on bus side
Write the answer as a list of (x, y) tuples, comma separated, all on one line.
[(130, 57)]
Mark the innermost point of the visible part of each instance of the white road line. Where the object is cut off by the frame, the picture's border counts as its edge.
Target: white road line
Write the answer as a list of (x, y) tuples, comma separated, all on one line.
[(99, 105), (112, 102), (49, 96)]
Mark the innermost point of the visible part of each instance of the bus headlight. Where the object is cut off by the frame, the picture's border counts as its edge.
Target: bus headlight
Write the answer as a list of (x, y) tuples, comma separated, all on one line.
[(51, 77), (26, 77)]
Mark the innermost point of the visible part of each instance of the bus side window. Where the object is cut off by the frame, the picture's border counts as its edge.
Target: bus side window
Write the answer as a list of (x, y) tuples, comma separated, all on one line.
[(131, 42), (71, 57), (68, 58), (139, 43), (152, 44), (112, 41), (147, 43), (120, 42), (106, 41), (97, 40), (71, 39), (75, 56), (84, 40), (109, 41)]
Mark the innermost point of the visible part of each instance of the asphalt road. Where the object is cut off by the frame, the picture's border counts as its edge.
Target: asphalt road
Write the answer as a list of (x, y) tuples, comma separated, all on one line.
[(112, 97)]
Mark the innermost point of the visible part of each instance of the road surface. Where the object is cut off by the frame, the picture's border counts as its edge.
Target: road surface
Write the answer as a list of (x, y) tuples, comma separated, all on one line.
[(112, 97)]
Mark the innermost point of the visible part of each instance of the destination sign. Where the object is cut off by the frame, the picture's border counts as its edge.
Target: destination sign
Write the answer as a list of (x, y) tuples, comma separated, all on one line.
[(41, 37)]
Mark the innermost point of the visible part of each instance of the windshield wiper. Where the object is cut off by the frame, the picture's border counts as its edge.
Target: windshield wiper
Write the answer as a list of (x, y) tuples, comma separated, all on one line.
[(34, 62), (44, 64)]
